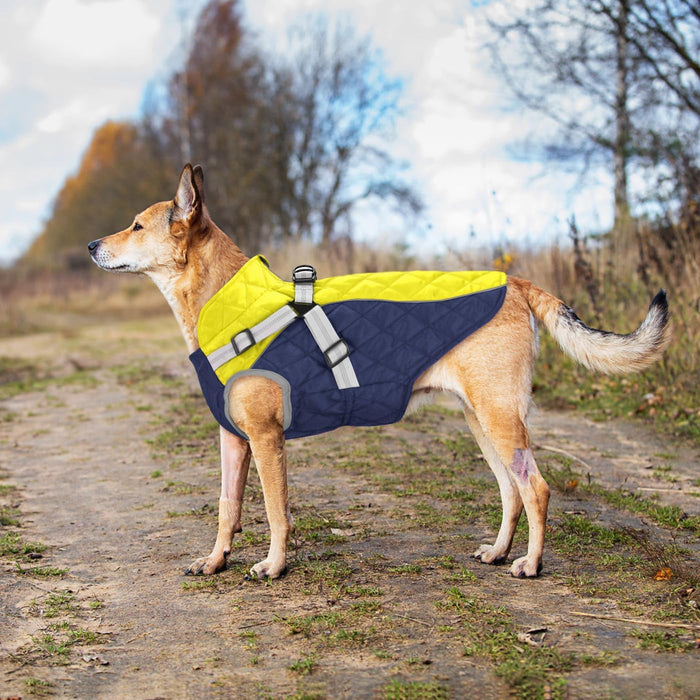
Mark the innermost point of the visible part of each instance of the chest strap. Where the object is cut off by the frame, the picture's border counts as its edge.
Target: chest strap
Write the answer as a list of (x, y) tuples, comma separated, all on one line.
[(334, 348)]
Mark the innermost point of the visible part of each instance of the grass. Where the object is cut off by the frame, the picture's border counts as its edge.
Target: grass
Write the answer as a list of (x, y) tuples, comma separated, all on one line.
[(58, 603), (663, 642), (48, 645), (42, 571), (668, 516), (36, 686), (398, 689), (530, 672), (8, 516), (305, 665), (567, 479), (12, 544), (55, 642), (577, 535), (19, 376)]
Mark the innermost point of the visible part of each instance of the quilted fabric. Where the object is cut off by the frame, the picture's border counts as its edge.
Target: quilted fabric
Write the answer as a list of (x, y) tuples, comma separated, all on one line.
[(395, 324), (255, 292)]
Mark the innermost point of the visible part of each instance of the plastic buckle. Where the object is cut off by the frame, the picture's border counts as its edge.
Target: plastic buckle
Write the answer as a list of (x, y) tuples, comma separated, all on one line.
[(248, 336), (304, 274), (327, 351)]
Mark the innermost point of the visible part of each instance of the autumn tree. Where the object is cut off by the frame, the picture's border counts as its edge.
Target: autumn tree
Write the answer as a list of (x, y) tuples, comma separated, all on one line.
[(118, 176), (290, 142)]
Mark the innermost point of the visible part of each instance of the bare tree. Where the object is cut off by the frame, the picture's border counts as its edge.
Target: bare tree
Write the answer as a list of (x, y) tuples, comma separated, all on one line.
[(343, 108), (619, 77)]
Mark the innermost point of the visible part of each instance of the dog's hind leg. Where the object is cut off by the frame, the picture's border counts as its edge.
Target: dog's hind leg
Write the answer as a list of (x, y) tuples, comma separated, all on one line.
[(510, 496), (506, 429), (235, 460)]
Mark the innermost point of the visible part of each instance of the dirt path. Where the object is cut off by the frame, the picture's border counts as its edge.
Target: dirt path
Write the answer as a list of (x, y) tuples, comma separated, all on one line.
[(117, 475)]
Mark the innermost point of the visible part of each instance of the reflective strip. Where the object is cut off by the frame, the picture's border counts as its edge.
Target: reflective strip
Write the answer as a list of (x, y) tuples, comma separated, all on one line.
[(250, 336), (332, 347)]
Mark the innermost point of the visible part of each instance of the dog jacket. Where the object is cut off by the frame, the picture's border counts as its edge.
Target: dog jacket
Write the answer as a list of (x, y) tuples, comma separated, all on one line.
[(344, 350)]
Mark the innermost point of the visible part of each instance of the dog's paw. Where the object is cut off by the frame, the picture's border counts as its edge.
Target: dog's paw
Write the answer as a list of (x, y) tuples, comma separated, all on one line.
[(525, 568), (207, 565), (488, 554), (268, 569)]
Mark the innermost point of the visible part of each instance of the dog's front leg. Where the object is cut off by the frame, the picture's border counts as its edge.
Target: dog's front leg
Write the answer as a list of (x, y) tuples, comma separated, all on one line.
[(271, 462), (256, 407), (235, 460)]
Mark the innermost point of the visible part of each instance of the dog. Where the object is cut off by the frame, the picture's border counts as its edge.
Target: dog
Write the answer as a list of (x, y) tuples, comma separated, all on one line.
[(189, 258)]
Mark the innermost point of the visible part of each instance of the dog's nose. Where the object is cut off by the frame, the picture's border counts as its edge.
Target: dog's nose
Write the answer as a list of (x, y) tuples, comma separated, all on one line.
[(93, 245)]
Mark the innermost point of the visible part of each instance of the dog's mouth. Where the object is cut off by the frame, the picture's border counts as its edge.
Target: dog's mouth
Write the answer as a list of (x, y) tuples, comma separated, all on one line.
[(103, 265)]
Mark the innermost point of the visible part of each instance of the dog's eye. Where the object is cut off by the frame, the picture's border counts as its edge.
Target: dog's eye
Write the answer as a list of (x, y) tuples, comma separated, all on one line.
[(137, 226)]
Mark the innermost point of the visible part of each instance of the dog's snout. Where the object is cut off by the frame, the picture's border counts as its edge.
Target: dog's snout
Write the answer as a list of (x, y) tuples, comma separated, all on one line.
[(93, 246)]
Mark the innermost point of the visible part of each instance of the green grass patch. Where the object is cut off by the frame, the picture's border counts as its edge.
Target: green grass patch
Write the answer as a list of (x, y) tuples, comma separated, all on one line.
[(42, 571), (8, 516), (577, 535), (398, 689), (48, 645), (181, 488), (304, 666), (35, 686), (405, 569), (364, 591), (306, 625), (668, 516), (665, 515), (672, 642), (58, 603), (489, 631), (12, 544)]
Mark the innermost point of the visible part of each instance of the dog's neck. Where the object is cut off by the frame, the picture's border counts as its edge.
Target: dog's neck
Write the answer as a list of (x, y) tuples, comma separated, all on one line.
[(210, 263)]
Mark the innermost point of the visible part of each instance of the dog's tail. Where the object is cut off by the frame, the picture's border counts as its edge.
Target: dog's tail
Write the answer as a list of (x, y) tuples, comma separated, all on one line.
[(601, 350)]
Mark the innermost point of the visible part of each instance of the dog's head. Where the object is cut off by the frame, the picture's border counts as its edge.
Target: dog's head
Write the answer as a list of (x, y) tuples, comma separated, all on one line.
[(159, 238)]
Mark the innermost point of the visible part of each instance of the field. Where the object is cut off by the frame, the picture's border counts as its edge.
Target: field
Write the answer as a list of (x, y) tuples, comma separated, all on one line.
[(108, 490)]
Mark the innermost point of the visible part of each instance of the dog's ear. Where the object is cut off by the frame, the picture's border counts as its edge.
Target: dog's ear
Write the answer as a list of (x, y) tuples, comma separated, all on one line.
[(199, 181), (187, 205)]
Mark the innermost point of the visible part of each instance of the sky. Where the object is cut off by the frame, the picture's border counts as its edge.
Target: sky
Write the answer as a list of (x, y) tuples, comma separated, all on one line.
[(68, 65)]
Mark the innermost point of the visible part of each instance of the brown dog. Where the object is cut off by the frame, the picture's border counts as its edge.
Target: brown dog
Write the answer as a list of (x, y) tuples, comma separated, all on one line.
[(180, 248)]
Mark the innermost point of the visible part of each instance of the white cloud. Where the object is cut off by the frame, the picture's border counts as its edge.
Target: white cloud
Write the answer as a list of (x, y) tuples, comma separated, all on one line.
[(112, 34), (77, 113), (69, 65), (4, 73)]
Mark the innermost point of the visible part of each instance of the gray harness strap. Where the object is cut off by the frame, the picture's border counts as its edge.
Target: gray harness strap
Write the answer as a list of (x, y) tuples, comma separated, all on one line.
[(334, 348)]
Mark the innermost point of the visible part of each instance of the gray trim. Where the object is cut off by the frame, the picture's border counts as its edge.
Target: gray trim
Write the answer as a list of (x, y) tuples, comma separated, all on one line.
[(278, 379)]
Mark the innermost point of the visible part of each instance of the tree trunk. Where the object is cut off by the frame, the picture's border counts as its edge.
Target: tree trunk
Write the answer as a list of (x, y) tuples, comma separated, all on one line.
[(622, 118)]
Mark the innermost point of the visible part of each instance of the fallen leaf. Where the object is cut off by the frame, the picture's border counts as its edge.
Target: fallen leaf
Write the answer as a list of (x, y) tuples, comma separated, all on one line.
[(664, 574)]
